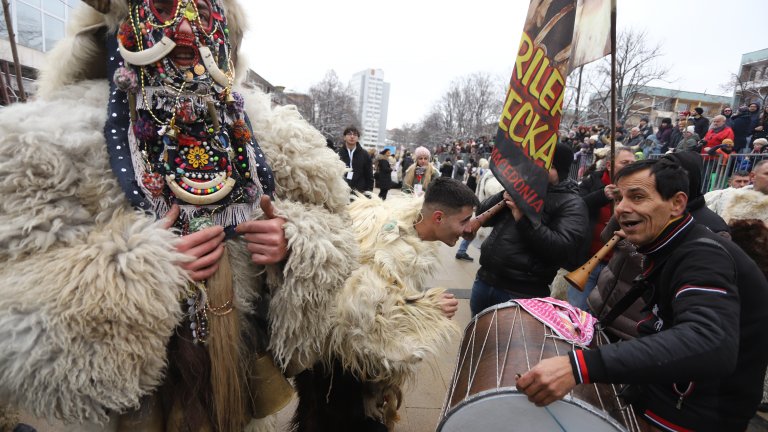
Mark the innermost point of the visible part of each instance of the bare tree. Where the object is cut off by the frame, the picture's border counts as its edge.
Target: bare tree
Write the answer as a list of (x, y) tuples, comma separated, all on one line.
[(637, 65), (747, 88), (432, 131), (469, 108), (404, 136), (333, 106)]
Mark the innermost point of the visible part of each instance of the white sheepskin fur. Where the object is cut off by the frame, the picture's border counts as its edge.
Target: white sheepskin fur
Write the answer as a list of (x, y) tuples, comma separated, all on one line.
[(744, 203), (91, 288), (384, 323)]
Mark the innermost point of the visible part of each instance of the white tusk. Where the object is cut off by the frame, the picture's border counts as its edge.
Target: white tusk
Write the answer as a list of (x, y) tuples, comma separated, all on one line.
[(191, 198), (149, 55), (212, 67)]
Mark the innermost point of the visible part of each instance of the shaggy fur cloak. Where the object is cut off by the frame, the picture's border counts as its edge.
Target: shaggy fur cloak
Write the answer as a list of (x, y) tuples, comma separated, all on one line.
[(91, 287), (384, 324)]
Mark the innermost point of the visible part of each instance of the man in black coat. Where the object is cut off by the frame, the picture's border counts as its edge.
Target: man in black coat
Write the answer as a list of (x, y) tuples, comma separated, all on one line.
[(520, 259), (701, 356), (741, 124), (700, 123), (359, 175)]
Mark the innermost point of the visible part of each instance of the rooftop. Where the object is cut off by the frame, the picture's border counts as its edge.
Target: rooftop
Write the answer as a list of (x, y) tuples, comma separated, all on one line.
[(687, 95), (754, 56)]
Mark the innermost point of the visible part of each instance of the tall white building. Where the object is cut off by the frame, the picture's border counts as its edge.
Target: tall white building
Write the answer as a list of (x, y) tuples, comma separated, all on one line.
[(372, 96), (38, 25)]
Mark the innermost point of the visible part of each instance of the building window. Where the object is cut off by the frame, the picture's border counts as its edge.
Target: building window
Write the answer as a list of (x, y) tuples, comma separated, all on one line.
[(39, 24)]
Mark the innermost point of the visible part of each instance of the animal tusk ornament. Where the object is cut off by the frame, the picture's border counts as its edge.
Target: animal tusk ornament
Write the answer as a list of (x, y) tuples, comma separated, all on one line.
[(149, 55), (212, 68)]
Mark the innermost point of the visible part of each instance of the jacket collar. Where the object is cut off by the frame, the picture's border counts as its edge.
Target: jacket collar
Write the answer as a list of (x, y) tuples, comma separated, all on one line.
[(666, 242)]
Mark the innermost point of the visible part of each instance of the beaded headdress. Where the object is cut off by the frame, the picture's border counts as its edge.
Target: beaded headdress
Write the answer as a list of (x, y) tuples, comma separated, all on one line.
[(177, 133)]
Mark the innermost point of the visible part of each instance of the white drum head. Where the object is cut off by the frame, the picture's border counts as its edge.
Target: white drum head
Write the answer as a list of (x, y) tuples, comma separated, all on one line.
[(507, 410)]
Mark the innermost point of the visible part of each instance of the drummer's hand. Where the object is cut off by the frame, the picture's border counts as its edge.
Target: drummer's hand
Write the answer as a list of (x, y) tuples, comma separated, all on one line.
[(205, 246), (548, 381), (449, 305)]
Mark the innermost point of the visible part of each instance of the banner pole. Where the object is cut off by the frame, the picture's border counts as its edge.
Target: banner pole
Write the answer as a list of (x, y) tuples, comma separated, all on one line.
[(613, 86), (578, 96)]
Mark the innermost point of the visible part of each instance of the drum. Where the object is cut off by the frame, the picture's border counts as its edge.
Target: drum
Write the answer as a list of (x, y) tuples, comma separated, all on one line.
[(503, 341)]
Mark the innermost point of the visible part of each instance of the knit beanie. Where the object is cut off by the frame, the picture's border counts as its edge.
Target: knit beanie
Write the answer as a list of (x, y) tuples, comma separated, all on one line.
[(562, 161), (421, 151)]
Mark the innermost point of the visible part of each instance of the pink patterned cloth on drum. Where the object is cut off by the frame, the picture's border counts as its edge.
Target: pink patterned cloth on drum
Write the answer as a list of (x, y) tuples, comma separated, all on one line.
[(568, 322)]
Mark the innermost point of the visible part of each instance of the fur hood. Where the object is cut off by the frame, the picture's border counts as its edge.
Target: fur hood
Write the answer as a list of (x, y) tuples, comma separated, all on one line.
[(384, 323)]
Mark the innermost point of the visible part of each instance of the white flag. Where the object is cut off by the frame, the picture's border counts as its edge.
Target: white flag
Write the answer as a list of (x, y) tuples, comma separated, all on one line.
[(591, 32)]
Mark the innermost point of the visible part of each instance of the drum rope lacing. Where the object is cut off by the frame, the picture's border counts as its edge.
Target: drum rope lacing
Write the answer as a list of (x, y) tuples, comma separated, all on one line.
[(630, 421)]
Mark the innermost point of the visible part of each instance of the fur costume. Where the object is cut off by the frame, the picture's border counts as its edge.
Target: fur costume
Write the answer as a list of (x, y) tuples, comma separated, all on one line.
[(91, 287), (746, 212), (729, 202), (384, 324)]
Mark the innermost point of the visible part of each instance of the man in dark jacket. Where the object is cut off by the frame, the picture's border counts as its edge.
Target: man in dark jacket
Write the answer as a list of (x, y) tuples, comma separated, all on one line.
[(646, 129), (625, 264), (741, 124), (359, 174), (700, 123), (701, 355), (519, 259), (664, 133)]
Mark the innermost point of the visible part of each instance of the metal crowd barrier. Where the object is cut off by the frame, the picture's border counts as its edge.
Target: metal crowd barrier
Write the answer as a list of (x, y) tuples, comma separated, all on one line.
[(717, 169)]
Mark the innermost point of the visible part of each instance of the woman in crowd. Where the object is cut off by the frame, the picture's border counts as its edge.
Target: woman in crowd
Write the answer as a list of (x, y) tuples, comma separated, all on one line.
[(383, 173), (419, 175)]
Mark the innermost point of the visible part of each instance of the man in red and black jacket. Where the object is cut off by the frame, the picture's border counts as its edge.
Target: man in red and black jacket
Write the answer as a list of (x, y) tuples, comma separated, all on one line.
[(703, 349)]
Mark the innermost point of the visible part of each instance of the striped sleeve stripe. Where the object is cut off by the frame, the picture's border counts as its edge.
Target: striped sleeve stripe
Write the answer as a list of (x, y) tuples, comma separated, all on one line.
[(688, 288), (663, 424), (581, 367)]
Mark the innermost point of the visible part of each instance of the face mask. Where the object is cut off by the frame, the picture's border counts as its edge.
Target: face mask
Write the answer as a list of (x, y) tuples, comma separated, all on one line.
[(190, 140)]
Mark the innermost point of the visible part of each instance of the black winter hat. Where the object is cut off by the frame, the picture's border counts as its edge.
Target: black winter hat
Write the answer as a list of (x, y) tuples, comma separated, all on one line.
[(562, 160), (699, 110)]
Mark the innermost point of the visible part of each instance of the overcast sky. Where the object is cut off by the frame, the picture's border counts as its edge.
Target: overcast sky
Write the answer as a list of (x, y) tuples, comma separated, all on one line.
[(424, 45)]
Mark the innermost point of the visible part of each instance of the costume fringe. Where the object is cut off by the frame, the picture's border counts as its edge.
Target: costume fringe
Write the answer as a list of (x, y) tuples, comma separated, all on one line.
[(224, 351)]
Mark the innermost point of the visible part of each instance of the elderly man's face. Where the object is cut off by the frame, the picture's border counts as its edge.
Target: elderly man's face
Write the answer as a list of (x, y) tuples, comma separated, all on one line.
[(641, 212), (622, 159), (717, 122)]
